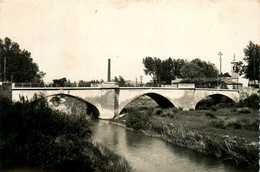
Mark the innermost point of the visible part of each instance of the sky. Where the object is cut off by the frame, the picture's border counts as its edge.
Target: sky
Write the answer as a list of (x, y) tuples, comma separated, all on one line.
[(75, 39)]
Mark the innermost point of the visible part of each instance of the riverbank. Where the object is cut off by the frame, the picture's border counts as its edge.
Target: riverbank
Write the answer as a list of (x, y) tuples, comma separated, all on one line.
[(228, 133), (34, 137)]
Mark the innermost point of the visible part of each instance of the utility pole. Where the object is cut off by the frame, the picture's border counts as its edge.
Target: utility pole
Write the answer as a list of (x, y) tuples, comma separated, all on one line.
[(141, 78), (220, 54), (135, 82)]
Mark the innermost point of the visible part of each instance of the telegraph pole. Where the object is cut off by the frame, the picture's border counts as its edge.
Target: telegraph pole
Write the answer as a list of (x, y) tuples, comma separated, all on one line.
[(220, 54)]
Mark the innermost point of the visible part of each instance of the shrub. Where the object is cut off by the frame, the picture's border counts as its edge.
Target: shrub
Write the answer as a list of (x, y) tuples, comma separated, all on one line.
[(247, 124), (33, 131), (253, 125), (158, 111), (137, 120), (168, 112), (32, 135), (158, 128), (210, 114), (214, 108), (234, 125), (218, 124), (205, 104), (252, 101), (174, 109), (180, 108), (243, 110)]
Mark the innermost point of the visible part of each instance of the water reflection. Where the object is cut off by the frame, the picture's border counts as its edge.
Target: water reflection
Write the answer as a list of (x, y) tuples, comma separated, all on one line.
[(153, 154)]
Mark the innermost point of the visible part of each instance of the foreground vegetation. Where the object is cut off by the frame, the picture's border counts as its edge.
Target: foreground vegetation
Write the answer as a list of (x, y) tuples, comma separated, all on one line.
[(33, 136), (230, 133)]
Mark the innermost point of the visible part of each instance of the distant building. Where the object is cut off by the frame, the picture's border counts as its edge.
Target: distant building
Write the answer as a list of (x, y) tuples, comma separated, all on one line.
[(234, 81), (130, 83), (234, 74)]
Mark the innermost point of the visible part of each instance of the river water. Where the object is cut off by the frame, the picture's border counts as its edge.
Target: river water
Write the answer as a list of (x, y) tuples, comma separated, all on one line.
[(147, 154)]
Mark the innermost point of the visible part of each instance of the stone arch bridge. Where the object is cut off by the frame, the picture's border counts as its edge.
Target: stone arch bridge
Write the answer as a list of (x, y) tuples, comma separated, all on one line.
[(110, 99)]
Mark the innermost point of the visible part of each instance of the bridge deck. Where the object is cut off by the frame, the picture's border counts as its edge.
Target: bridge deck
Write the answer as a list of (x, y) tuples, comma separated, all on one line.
[(121, 88)]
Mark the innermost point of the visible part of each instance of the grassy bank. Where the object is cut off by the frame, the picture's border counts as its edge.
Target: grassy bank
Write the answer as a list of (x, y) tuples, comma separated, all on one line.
[(229, 133), (34, 136)]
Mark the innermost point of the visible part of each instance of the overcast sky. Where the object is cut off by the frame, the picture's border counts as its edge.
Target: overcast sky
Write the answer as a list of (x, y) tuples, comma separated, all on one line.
[(75, 39)]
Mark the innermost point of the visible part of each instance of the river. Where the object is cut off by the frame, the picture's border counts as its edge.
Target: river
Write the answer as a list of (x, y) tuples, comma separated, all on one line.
[(153, 154)]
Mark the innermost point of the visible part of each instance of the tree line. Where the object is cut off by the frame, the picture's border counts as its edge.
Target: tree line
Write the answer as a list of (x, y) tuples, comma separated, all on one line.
[(17, 65), (64, 82), (164, 71)]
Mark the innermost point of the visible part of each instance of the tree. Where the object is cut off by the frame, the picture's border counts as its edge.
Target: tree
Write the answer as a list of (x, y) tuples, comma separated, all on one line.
[(153, 68), (198, 69), (225, 75), (84, 83), (120, 80), (167, 72), (163, 71), (177, 65), (19, 64), (252, 59), (59, 82), (191, 70)]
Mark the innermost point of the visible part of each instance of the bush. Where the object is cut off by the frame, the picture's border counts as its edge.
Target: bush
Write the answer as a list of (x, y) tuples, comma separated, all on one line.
[(243, 110), (33, 131), (252, 101), (244, 124), (210, 114), (180, 108), (218, 124), (234, 125), (158, 128), (137, 120), (214, 108), (205, 104), (169, 112), (252, 125), (32, 135), (158, 111)]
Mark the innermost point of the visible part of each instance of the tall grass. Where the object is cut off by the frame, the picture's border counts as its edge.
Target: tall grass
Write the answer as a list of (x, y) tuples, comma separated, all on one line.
[(243, 124), (232, 149), (188, 134)]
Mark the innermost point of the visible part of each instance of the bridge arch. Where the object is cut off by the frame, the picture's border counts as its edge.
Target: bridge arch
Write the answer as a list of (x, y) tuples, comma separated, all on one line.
[(161, 100), (214, 99), (90, 110)]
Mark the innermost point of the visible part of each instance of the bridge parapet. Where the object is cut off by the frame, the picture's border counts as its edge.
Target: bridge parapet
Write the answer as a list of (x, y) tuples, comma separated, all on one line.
[(110, 99)]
